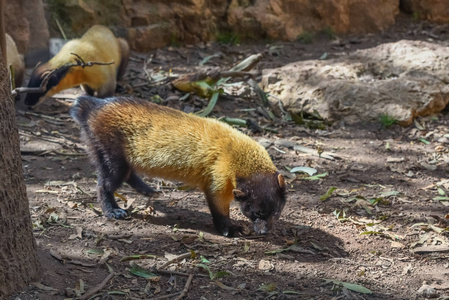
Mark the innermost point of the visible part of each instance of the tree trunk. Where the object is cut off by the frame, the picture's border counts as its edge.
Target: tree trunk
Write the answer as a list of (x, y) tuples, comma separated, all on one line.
[(18, 260)]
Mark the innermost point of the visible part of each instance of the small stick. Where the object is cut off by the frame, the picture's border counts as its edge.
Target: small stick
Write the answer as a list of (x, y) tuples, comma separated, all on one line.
[(186, 288), (236, 74), (254, 237), (167, 296), (178, 258), (29, 113), (167, 272), (97, 288)]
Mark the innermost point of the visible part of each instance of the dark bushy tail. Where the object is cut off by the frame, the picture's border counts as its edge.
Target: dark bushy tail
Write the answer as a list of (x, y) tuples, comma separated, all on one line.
[(83, 107)]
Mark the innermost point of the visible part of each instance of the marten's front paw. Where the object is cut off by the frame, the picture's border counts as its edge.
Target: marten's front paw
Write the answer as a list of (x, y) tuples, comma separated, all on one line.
[(116, 213), (233, 231)]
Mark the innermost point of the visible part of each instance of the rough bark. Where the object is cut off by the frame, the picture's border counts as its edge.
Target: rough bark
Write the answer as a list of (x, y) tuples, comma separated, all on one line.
[(18, 260)]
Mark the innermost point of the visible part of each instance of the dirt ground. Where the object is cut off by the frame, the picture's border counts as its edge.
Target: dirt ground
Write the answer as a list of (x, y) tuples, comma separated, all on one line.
[(381, 234)]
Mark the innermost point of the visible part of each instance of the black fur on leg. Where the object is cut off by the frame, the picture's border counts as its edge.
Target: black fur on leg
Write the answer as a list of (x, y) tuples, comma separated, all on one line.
[(112, 171), (137, 183), (109, 160), (222, 222)]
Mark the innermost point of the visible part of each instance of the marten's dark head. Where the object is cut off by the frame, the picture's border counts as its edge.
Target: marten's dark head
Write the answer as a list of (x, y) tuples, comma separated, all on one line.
[(262, 198), (37, 76)]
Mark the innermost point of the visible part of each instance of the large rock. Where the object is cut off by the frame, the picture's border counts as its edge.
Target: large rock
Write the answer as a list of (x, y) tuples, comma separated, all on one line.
[(404, 80), (432, 10), (287, 19), (156, 23)]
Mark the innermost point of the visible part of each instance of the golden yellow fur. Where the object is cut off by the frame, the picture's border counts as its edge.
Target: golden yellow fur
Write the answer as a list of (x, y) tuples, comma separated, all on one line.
[(170, 144), (126, 136), (98, 44), (15, 60)]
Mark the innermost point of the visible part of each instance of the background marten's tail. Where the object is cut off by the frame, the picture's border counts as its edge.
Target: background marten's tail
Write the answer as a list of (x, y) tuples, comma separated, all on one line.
[(83, 107)]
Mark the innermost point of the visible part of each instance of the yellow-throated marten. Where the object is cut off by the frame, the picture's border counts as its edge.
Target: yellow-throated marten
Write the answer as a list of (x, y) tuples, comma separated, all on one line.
[(126, 136), (15, 60), (98, 44)]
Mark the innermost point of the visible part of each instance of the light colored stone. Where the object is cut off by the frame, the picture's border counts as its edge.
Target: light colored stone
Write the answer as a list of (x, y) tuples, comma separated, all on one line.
[(404, 80)]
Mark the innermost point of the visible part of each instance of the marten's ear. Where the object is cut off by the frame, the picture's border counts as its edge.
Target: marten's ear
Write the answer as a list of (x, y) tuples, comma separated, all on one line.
[(281, 181), (239, 195)]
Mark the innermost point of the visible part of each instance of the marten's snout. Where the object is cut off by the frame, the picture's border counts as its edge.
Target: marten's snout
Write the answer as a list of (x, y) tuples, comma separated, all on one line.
[(261, 226)]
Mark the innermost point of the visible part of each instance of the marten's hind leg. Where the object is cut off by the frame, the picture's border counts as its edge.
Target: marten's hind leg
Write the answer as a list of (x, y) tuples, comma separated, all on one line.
[(137, 183), (112, 171)]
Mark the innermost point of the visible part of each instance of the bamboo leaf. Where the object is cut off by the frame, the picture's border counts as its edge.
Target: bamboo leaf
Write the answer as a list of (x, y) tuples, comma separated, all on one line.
[(210, 106)]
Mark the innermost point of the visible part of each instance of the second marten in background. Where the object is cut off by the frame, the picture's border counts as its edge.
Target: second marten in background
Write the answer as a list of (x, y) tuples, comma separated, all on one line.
[(98, 44), (15, 60), (126, 136)]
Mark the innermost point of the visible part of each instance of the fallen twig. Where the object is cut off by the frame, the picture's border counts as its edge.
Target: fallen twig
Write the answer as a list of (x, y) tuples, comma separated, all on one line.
[(176, 259), (428, 249), (29, 113), (186, 288), (70, 153), (97, 288), (168, 272), (167, 296), (254, 237)]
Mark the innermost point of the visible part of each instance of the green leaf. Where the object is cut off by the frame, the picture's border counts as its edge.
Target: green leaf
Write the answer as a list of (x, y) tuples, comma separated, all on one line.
[(328, 193), (207, 58), (269, 287), (356, 288), (351, 286), (204, 260), (141, 272), (246, 247), (390, 193), (309, 171), (292, 293), (234, 121), (95, 251), (324, 56), (110, 269), (441, 192), (316, 177), (212, 275), (205, 267), (117, 293), (193, 254), (210, 106), (220, 274), (422, 140)]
